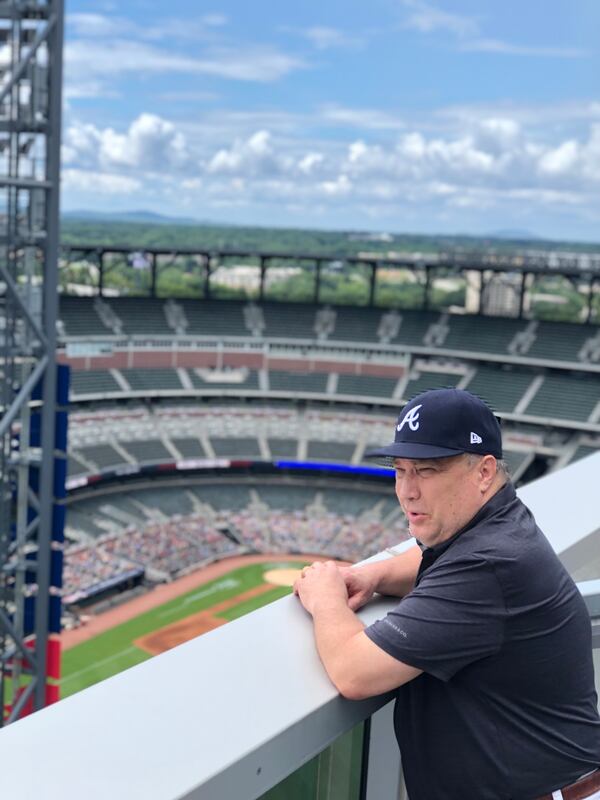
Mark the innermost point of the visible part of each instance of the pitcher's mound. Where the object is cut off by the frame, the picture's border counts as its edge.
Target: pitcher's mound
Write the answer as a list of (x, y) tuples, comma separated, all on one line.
[(282, 577)]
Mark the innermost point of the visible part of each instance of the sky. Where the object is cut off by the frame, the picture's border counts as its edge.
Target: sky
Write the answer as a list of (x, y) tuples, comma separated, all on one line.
[(450, 116)]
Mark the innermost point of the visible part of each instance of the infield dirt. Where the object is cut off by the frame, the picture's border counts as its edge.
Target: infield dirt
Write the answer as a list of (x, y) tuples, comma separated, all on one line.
[(186, 629)]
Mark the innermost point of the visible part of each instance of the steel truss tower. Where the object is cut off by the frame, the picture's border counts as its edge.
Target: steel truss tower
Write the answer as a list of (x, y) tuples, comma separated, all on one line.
[(31, 34)]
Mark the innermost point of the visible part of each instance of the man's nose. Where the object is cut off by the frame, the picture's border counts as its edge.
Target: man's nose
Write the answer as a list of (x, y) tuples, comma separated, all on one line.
[(407, 487)]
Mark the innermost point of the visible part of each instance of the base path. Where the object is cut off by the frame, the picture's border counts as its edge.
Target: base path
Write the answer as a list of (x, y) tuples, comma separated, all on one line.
[(194, 625), (168, 591)]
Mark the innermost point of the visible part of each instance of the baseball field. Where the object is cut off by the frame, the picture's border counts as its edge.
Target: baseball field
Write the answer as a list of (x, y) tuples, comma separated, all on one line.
[(174, 613), (147, 626)]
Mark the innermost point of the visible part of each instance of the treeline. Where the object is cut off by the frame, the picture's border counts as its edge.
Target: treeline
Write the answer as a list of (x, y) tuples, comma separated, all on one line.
[(551, 295), (288, 240)]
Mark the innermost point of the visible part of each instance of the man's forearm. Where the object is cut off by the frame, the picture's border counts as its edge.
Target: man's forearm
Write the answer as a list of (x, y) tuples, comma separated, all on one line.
[(356, 666), (395, 576), (335, 625)]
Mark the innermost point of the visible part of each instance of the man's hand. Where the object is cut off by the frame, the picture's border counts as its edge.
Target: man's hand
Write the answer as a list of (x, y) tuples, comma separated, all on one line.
[(321, 582), (358, 668), (360, 584)]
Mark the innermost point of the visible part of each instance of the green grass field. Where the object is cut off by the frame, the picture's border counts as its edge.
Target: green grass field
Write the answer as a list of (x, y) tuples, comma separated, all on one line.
[(113, 651), (335, 772)]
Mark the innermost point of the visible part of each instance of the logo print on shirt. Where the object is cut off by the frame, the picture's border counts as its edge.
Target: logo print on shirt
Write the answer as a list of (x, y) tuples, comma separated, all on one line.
[(475, 438), (412, 418)]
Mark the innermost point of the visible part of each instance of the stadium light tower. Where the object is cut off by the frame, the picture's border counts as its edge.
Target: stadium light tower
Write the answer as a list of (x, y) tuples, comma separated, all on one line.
[(31, 519)]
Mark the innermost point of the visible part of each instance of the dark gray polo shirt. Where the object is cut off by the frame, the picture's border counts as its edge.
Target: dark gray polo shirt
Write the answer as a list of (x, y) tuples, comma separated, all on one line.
[(506, 705)]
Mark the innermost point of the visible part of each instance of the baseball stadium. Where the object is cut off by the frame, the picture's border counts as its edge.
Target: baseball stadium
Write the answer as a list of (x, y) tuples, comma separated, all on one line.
[(173, 457)]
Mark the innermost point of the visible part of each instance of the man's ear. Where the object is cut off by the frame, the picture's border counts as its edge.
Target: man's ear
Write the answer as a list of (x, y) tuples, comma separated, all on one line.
[(488, 469)]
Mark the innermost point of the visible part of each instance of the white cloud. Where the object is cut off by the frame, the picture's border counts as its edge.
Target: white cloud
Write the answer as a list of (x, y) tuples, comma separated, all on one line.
[(262, 64), (192, 183), (92, 88), (92, 182), (150, 143), (94, 26), (501, 130), (509, 49), (97, 25), (86, 59), (80, 143), (491, 160), (100, 50), (546, 196), (427, 19), (103, 50), (191, 96), (357, 151), (215, 20), (341, 185), (561, 159), (536, 119), (413, 145), (196, 30), (591, 155), (252, 156), (309, 163), (324, 38), (422, 158), (365, 118), (370, 160)]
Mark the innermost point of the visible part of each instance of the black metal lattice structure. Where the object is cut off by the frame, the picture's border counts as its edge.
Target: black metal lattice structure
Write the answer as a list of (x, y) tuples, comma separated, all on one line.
[(31, 36)]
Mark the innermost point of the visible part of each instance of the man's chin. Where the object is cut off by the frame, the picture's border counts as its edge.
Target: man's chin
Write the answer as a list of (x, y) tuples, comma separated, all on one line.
[(419, 525)]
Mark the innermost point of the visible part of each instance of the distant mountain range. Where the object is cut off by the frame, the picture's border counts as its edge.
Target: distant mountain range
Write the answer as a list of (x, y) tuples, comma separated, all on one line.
[(152, 218), (515, 235), (147, 217)]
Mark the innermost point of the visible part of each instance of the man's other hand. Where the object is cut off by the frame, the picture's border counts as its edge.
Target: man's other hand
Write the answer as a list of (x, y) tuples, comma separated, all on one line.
[(321, 582), (360, 584)]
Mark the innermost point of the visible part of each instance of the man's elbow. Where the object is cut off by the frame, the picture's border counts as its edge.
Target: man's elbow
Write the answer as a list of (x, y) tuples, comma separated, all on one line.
[(353, 688)]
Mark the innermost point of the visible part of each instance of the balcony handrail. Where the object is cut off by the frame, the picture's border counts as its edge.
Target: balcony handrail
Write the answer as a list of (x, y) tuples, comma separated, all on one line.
[(230, 713), (226, 715)]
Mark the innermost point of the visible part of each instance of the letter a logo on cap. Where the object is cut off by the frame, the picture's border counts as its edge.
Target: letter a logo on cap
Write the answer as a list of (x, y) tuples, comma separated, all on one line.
[(412, 417), (475, 438)]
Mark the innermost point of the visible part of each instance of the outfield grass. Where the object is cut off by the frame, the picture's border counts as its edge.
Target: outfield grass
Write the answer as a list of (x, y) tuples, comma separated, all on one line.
[(113, 651)]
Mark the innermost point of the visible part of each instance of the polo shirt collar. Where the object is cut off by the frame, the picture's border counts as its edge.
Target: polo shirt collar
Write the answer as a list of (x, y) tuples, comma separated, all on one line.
[(503, 496)]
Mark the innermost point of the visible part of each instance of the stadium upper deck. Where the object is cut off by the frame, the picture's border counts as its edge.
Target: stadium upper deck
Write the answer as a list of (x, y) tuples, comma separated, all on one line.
[(541, 376), (254, 349), (144, 347), (503, 339)]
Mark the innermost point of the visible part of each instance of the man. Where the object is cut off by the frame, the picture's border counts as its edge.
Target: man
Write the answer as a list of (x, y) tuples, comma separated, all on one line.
[(490, 647)]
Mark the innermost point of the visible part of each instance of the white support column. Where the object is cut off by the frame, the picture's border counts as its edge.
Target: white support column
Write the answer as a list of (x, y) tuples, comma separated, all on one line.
[(263, 445), (168, 445), (207, 445), (332, 383), (185, 379), (120, 379), (126, 456), (529, 394)]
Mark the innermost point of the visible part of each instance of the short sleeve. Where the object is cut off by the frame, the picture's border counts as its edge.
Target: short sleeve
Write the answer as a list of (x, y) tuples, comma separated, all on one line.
[(455, 616)]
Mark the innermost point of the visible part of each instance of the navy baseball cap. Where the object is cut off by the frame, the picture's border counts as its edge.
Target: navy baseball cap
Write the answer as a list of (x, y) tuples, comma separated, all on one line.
[(443, 422)]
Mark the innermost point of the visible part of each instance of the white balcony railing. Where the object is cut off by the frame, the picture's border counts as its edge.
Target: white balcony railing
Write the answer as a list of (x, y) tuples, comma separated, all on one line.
[(228, 715)]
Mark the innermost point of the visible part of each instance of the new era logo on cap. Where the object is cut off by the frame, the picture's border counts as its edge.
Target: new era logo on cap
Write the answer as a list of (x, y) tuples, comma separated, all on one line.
[(475, 438)]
